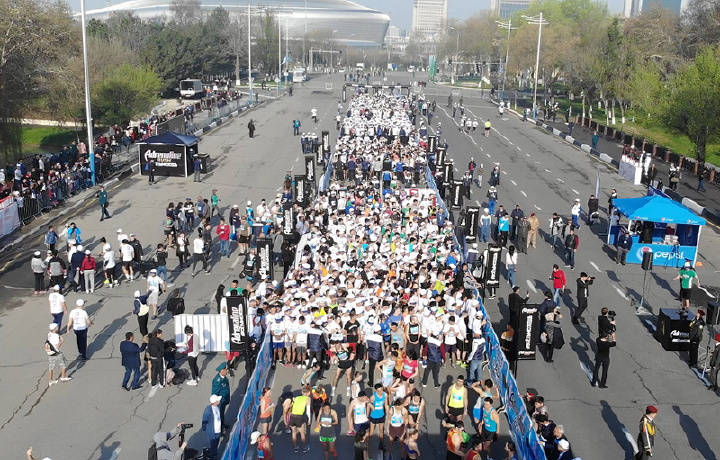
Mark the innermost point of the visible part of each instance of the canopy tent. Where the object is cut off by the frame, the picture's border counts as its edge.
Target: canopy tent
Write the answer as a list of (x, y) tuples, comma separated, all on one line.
[(656, 223), (172, 152)]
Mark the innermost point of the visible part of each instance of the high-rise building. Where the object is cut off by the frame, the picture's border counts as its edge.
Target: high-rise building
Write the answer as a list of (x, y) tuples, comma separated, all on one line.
[(430, 16), (507, 8), (635, 7)]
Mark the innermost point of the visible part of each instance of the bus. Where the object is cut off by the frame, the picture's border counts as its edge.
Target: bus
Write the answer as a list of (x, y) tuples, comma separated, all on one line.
[(298, 75), (190, 88)]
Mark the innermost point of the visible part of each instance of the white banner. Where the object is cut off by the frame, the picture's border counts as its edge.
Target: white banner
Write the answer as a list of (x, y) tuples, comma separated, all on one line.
[(9, 219)]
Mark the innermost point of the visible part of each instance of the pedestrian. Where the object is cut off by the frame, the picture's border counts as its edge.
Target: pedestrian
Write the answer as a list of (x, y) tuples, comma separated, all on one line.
[(130, 352), (503, 227), (51, 238), (613, 195), (646, 437), (223, 231), (104, 202), (511, 259), (702, 177), (697, 327), (687, 277), (76, 261), (161, 256), (156, 353), (79, 322), (197, 168), (456, 400), (38, 267), (571, 125), (58, 307), (559, 282), (56, 270), (56, 358), (495, 176), (602, 358), (251, 128), (487, 128), (88, 267), (555, 229), (553, 334), (127, 253), (212, 424), (516, 215), (485, 226), (595, 140), (592, 214), (264, 445), (182, 251), (433, 355), (623, 244), (138, 254), (154, 287), (534, 229), (192, 350), (715, 364), (141, 309), (151, 168), (215, 202), (523, 230), (572, 244), (515, 304), (109, 266), (296, 127), (499, 213), (582, 296), (199, 253), (325, 425), (221, 387), (575, 212)]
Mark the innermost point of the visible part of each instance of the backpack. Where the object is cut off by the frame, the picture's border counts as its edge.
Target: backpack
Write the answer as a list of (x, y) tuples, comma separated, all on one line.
[(152, 452)]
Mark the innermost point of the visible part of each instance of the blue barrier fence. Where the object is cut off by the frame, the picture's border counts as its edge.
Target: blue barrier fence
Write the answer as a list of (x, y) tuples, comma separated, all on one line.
[(239, 439), (521, 429)]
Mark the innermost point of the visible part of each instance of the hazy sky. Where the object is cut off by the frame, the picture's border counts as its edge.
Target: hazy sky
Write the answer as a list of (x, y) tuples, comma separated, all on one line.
[(399, 10)]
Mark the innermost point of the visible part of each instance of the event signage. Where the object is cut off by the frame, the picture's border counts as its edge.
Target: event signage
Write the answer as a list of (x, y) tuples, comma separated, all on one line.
[(440, 155), (665, 255), (492, 270), (448, 172), (456, 199), (288, 222), (527, 332), (472, 219), (264, 251), (432, 144), (326, 143), (169, 159), (237, 323), (300, 190), (310, 168)]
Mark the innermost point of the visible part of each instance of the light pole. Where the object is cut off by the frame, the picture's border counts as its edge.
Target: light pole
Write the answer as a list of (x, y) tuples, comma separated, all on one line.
[(305, 35), (331, 50), (457, 50), (506, 25), (539, 21), (250, 83), (88, 108)]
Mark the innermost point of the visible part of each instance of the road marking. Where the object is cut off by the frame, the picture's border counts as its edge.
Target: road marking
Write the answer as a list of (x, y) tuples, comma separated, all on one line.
[(587, 371), (537, 162), (153, 390), (524, 194), (650, 324), (700, 376), (547, 171), (510, 142), (457, 169), (594, 265), (234, 264), (630, 439), (518, 148), (536, 207), (527, 154), (488, 155), (477, 203), (622, 294), (297, 159), (502, 171), (531, 286), (576, 192), (560, 180), (513, 182)]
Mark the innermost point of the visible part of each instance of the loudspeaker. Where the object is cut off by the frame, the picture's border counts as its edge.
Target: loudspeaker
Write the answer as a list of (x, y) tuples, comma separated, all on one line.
[(647, 262), (713, 313)]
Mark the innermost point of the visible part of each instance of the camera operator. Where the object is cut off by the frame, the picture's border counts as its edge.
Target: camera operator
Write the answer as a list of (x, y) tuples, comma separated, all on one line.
[(606, 322), (582, 296), (162, 445)]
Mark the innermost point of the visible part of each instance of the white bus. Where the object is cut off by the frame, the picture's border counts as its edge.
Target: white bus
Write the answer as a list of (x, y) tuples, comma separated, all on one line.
[(190, 88), (298, 75)]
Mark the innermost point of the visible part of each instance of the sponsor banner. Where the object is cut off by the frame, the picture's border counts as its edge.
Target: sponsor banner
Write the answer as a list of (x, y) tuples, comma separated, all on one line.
[(326, 142), (472, 220), (457, 195), (448, 172), (288, 223), (665, 255), (237, 323), (310, 168), (492, 270), (264, 253), (170, 160), (432, 144), (527, 332), (9, 218), (299, 182), (440, 156)]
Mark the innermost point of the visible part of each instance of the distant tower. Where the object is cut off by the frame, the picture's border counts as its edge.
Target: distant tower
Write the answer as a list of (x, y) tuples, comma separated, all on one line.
[(430, 16)]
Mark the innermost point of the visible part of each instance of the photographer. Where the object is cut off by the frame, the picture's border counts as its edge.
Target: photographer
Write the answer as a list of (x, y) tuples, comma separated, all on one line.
[(162, 446), (582, 296), (606, 322)]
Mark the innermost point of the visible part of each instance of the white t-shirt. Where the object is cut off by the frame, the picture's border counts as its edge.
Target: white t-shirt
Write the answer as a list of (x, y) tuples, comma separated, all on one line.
[(79, 318), (109, 259), (198, 245), (127, 252), (153, 283), (450, 331), (54, 339), (301, 334), (56, 302)]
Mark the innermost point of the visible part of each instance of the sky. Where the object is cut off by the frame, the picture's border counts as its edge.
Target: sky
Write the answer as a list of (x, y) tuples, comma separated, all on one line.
[(400, 10)]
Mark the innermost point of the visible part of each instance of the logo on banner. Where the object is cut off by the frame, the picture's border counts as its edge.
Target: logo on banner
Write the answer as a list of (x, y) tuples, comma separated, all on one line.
[(326, 141), (527, 338), (163, 159), (493, 268), (237, 315), (473, 215), (457, 194), (310, 168), (265, 268), (288, 221), (660, 256), (300, 189), (432, 143)]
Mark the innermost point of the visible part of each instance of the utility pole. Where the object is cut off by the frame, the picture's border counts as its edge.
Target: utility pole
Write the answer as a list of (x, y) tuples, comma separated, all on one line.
[(506, 25), (539, 21)]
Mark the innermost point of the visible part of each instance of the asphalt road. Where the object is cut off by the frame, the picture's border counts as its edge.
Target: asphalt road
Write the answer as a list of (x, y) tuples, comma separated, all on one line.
[(541, 173)]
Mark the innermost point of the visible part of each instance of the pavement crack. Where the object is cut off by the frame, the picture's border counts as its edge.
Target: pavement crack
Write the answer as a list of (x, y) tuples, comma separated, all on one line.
[(37, 387)]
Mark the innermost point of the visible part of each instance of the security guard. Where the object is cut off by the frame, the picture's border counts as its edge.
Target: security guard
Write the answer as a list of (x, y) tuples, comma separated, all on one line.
[(697, 327), (221, 387), (715, 364), (646, 437)]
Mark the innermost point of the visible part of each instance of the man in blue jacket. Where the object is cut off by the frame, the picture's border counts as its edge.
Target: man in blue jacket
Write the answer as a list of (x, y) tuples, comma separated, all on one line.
[(130, 352), (624, 244), (212, 424)]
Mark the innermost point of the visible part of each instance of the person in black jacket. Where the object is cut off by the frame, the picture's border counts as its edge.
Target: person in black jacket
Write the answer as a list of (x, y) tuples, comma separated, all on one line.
[(582, 296), (602, 358), (606, 324), (156, 351), (138, 255), (130, 352), (515, 304)]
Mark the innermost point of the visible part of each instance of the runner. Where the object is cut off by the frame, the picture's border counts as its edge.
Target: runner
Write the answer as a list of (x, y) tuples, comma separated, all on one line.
[(325, 425), (299, 413), (456, 401)]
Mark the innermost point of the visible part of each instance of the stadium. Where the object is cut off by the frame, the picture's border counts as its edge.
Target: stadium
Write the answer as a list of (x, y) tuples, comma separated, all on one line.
[(355, 25)]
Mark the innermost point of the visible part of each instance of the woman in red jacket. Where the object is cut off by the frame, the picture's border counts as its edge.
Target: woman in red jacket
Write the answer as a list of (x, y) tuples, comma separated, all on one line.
[(88, 269)]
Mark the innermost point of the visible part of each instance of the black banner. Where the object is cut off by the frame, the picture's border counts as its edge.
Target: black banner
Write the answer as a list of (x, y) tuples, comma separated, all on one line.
[(300, 190), (170, 160), (310, 168), (288, 224), (264, 253), (472, 219), (237, 323), (440, 155), (457, 194), (326, 142), (448, 169), (432, 144), (492, 267), (527, 332)]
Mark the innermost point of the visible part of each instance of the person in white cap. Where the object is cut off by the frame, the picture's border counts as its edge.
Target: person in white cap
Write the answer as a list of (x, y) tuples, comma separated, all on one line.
[(87, 268), (109, 266), (39, 267), (79, 322), (264, 445), (212, 424), (55, 356), (576, 211), (154, 284), (58, 307)]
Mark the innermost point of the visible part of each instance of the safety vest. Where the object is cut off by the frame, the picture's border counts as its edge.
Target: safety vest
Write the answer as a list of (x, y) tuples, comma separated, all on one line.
[(300, 405)]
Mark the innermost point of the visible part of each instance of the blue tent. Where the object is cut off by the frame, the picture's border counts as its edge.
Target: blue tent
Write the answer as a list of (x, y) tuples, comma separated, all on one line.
[(657, 209), (173, 154)]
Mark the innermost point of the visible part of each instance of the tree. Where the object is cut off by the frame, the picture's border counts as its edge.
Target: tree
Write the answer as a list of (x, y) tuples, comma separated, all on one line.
[(186, 12), (265, 51), (127, 92), (174, 55), (236, 37), (692, 104)]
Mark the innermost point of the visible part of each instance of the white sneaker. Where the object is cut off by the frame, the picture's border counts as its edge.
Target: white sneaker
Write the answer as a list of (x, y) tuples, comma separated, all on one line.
[(92, 291), (192, 383), (65, 379), (347, 393), (169, 284), (53, 382), (332, 392)]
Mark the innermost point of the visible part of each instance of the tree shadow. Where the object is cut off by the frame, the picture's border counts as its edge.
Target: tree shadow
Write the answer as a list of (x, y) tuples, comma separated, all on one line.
[(696, 440), (664, 284), (617, 429)]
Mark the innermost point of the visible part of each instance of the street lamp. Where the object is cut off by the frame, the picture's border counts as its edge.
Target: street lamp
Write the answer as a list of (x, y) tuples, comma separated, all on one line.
[(505, 25), (250, 83), (88, 109), (457, 50), (539, 21), (331, 50)]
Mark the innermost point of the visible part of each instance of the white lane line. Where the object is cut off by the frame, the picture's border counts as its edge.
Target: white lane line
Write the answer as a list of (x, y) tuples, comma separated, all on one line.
[(513, 182), (537, 162), (532, 286), (630, 439), (523, 193), (510, 142), (457, 169), (234, 264), (518, 148), (547, 171), (527, 154), (620, 291), (482, 150), (560, 180), (594, 265), (503, 172), (297, 159), (477, 203), (587, 371), (536, 207), (488, 155), (576, 192)]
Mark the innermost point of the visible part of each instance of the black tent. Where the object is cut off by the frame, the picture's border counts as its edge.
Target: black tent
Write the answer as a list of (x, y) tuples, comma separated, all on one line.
[(173, 154)]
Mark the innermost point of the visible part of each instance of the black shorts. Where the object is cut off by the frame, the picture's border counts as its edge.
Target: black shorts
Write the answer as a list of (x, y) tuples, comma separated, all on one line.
[(128, 265), (377, 420), (488, 436), (243, 238), (450, 348), (266, 420), (344, 365), (685, 293), (297, 421), (456, 411)]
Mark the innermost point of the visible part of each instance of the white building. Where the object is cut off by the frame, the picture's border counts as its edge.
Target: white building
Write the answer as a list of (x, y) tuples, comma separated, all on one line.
[(636, 7), (507, 8), (430, 16)]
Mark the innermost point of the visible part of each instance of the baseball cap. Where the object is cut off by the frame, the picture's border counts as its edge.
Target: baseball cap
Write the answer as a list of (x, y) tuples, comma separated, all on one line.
[(52, 326), (564, 444), (137, 293), (37, 254), (87, 251), (215, 398), (79, 302), (254, 437), (56, 287)]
